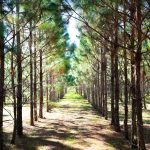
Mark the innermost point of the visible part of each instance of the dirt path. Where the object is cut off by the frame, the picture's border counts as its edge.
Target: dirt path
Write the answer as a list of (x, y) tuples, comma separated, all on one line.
[(73, 125)]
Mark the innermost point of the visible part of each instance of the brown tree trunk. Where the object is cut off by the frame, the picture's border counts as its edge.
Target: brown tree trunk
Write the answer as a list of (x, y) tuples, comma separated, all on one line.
[(126, 81), (35, 81), (141, 141), (98, 86), (116, 72), (47, 93), (13, 92), (112, 88), (50, 88), (14, 98), (102, 82), (116, 109), (143, 87), (105, 85), (31, 77), (19, 75), (134, 113), (125, 96), (1, 74), (41, 88), (138, 58)]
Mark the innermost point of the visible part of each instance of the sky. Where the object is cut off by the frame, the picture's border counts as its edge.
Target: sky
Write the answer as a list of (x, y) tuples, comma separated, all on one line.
[(73, 31)]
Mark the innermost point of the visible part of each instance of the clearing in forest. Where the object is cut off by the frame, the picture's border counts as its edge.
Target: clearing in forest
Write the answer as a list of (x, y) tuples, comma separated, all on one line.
[(71, 125)]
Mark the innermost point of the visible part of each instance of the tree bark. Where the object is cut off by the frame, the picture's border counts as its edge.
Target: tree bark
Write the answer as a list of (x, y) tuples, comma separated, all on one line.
[(112, 88), (31, 77), (41, 87), (105, 85), (125, 81), (35, 81), (47, 92), (134, 112), (13, 93), (138, 58), (1, 74), (19, 74), (116, 72)]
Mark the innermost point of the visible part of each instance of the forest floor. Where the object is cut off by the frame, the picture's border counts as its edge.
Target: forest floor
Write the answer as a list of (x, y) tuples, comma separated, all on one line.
[(71, 125)]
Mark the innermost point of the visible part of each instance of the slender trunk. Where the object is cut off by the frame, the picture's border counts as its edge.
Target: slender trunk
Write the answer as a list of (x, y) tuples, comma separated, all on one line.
[(50, 88), (41, 87), (47, 92), (116, 72), (19, 75), (143, 87), (1, 74), (138, 58), (133, 113), (141, 141), (125, 96), (31, 78), (13, 93), (125, 82), (102, 81), (35, 81), (98, 86), (112, 88), (117, 125), (105, 89)]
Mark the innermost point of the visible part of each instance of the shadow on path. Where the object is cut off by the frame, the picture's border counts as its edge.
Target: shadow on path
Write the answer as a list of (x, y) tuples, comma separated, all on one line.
[(71, 127)]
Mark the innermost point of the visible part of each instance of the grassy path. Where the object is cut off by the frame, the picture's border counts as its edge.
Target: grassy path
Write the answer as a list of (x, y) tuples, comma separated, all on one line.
[(72, 125)]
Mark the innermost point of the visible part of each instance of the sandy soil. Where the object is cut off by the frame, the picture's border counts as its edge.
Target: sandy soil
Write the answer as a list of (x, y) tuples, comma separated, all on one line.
[(73, 125)]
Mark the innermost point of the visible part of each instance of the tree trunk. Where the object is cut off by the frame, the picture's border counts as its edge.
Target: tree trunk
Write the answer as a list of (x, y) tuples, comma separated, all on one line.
[(98, 86), (116, 72), (105, 83), (134, 113), (112, 88), (102, 82), (31, 77), (13, 92), (19, 75), (143, 87), (35, 81), (1, 74), (116, 110), (141, 141), (47, 93), (41, 87), (125, 82)]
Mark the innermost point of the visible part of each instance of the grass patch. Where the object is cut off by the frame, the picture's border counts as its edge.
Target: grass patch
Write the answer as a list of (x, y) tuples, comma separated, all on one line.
[(73, 95), (146, 116), (87, 107), (52, 105), (95, 120), (70, 139)]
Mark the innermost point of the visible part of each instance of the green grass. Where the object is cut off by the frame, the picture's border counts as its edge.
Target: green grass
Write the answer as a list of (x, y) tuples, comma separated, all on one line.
[(146, 113), (52, 105), (70, 139), (71, 100), (75, 100), (73, 95), (146, 116)]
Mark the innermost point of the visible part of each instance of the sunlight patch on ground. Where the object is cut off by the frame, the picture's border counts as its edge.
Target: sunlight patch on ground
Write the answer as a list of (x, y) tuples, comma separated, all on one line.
[(73, 125)]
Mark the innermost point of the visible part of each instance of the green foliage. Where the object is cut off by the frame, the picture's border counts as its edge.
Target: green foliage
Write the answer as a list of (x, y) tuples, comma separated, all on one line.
[(70, 80)]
